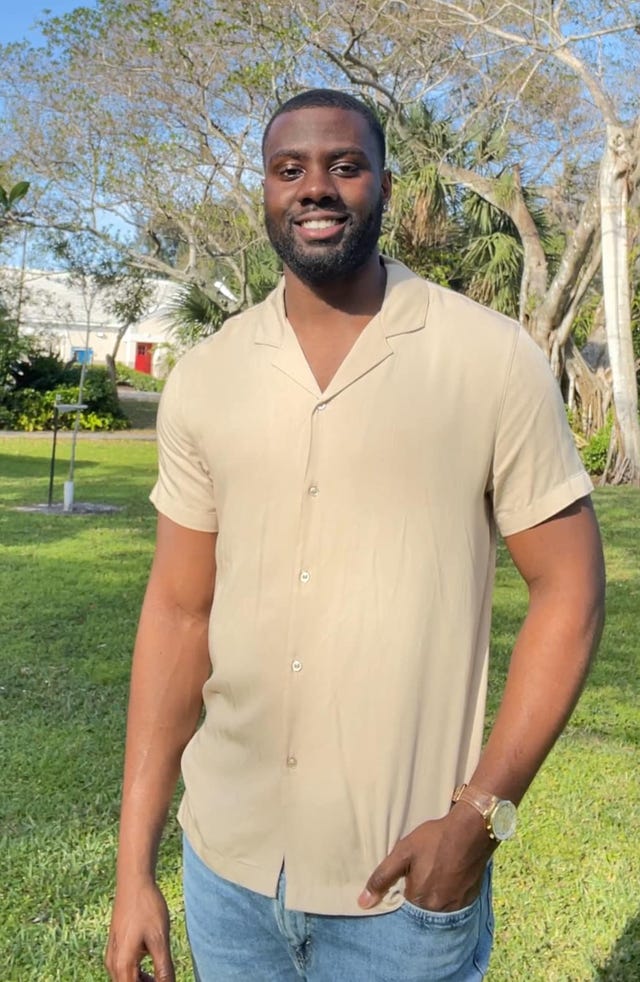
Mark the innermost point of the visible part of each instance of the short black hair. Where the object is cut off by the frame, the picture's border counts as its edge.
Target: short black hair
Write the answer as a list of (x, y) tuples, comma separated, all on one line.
[(333, 99)]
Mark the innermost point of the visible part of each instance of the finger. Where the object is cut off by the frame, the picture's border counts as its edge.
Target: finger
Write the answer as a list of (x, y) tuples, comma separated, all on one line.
[(119, 967), (163, 970), (382, 879)]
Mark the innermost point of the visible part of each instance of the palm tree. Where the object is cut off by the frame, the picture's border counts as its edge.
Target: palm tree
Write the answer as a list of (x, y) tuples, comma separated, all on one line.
[(198, 311)]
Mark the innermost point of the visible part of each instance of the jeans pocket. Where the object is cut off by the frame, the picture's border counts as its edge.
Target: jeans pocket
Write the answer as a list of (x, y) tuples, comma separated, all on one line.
[(441, 918)]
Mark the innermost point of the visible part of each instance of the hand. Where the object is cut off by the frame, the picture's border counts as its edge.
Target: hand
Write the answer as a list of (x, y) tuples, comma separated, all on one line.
[(443, 862), (139, 927)]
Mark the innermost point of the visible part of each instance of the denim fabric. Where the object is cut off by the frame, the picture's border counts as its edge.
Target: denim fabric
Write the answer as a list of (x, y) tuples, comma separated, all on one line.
[(237, 935)]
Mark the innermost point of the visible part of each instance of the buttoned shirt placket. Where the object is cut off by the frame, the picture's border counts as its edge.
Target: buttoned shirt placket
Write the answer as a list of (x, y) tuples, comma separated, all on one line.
[(305, 579), (370, 350)]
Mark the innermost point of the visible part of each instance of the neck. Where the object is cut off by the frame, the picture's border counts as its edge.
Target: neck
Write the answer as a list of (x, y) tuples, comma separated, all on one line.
[(356, 297)]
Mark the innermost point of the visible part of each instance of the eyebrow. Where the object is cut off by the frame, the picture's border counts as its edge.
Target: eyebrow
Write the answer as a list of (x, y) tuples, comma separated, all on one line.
[(293, 154)]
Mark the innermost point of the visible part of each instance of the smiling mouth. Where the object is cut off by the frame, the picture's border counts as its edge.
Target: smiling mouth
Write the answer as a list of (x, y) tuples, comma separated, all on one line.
[(322, 222)]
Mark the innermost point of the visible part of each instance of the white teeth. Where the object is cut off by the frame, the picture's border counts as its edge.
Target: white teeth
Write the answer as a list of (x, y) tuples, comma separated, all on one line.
[(320, 223)]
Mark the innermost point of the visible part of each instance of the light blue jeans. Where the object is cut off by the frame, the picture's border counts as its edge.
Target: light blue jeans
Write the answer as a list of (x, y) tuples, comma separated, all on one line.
[(237, 935)]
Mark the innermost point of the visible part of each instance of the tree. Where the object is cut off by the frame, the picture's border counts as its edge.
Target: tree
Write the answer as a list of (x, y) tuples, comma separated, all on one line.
[(9, 198), (197, 314), (153, 116), (554, 32), (13, 346), (515, 72), (446, 230), (128, 295), (151, 119)]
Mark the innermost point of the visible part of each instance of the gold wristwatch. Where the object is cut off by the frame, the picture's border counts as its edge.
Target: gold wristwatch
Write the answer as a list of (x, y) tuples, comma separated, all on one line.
[(499, 814)]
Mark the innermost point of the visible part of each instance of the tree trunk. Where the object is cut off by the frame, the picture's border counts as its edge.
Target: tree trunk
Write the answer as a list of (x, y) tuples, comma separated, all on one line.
[(591, 388), (546, 320), (614, 196), (110, 359), (110, 363)]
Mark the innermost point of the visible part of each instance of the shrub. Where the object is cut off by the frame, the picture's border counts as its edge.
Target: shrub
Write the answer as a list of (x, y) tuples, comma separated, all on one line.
[(99, 393), (29, 409), (43, 372), (139, 381), (6, 417), (594, 453), (575, 425), (14, 348)]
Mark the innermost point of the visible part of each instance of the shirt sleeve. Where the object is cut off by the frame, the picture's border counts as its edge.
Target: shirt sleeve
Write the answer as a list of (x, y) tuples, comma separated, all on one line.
[(184, 490), (537, 470)]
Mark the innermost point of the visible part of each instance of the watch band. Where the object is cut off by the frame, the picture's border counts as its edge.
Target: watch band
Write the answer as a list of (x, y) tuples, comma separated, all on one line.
[(482, 801), (499, 814)]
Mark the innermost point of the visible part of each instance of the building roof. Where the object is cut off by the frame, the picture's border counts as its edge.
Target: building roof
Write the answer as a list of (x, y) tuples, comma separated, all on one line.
[(48, 300)]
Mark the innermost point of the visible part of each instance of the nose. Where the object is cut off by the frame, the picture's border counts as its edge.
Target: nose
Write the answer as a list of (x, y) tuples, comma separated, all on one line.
[(318, 186)]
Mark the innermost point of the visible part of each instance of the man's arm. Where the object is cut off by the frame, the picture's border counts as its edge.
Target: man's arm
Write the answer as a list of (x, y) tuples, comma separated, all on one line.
[(170, 666), (561, 561)]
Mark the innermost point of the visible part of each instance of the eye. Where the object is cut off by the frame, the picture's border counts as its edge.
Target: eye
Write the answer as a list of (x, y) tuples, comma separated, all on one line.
[(345, 169), (289, 172)]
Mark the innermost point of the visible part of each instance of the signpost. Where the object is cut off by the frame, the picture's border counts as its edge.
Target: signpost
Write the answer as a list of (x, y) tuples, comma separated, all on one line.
[(62, 407)]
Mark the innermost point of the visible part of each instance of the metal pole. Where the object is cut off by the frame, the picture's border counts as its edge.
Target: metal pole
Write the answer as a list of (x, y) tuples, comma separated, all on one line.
[(76, 425), (53, 454)]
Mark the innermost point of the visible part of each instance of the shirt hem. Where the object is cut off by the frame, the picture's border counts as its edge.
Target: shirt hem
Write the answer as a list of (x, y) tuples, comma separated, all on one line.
[(181, 516), (325, 900), (576, 486)]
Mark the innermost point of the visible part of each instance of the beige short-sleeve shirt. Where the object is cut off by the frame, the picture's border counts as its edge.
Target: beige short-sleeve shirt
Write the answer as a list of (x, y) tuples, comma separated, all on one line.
[(355, 560)]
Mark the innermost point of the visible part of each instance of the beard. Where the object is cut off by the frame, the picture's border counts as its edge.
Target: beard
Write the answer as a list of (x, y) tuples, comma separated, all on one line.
[(319, 263)]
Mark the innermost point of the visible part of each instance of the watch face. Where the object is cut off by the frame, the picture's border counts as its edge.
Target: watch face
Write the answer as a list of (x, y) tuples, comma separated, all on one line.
[(503, 820)]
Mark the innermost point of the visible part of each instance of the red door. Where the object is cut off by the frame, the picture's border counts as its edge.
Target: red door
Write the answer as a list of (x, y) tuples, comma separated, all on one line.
[(144, 356)]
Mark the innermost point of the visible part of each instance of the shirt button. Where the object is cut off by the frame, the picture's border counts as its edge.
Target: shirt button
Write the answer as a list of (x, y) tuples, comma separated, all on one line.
[(296, 665), (314, 491), (291, 761), (305, 576), (320, 407)]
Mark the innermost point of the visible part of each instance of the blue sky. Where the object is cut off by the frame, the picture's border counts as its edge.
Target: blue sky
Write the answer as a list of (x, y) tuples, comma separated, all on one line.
[(17, 23), (18, 17)]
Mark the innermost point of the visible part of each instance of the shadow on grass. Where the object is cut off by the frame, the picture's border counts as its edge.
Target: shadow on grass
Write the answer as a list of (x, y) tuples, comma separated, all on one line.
[(20, 467), (125, 484), (31, 529), (623, 963)]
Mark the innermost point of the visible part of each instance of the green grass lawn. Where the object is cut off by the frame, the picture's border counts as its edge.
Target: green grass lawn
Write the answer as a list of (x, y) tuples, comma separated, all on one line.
[(567, 890), (140, 412)]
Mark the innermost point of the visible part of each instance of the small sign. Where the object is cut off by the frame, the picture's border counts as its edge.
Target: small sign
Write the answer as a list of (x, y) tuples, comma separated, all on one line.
[(83, 356), (68, 407)]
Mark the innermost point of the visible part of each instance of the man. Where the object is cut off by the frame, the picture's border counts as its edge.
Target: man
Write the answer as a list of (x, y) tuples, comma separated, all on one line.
[(334, 462)]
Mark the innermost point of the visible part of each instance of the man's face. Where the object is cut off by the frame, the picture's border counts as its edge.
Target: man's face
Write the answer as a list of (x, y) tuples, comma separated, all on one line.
[(324, 192)]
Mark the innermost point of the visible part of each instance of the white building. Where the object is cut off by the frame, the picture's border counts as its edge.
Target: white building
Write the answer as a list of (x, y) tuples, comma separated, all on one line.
[(72, 321)]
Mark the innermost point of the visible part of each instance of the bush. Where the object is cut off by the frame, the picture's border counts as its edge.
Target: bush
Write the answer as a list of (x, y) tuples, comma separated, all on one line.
[(43, 372), (14, 348), (99, 393), (30, 409), (594, 453), (575, 425), (6, 417), (139, 381)]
